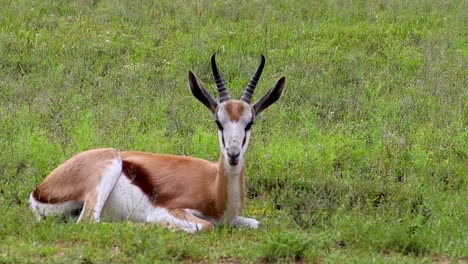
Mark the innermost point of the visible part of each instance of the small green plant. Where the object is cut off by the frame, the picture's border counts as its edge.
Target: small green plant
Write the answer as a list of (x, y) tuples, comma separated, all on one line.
[(285, 246)]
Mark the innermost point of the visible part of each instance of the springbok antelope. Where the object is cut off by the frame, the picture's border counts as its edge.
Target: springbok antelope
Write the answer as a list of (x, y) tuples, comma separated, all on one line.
[(181, 192)]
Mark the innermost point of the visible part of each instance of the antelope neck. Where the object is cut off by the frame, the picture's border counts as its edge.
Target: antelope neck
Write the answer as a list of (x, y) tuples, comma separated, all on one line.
[(230, 190)]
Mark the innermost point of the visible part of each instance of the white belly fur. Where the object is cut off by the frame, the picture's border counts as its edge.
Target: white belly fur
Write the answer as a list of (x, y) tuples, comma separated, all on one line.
[(127, 202)]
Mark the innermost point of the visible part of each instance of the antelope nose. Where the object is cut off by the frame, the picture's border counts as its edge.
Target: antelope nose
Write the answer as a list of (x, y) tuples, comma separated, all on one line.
[(233, 154)]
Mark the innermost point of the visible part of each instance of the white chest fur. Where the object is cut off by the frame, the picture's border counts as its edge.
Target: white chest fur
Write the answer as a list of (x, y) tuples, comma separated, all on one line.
[(234, 202)]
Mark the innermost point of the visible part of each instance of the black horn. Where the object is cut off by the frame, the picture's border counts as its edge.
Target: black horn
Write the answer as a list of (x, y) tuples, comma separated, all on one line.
[(249, 91), (220, 84)]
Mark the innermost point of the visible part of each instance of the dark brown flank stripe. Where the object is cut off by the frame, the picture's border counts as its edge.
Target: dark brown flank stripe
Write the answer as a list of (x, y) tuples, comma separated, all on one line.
[(139, 177)]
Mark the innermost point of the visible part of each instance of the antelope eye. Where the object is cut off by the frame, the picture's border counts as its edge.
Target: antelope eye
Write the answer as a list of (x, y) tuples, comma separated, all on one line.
[(220, 127), (249, 126)]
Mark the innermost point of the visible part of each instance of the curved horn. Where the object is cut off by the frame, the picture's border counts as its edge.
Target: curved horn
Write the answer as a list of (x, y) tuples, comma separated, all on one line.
[(249, 91), (220, 84)]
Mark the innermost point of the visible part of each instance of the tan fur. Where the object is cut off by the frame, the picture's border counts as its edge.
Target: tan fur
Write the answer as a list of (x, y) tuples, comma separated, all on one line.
[(76, 179), (175, 182), (181, 182), (235, 109)]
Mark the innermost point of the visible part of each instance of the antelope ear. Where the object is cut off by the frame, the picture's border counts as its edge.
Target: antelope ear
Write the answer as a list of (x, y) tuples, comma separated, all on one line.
[(201, 94), (270, 97)]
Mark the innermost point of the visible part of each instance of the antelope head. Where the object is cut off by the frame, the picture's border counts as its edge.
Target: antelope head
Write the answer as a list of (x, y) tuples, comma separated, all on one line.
[(235, 118)]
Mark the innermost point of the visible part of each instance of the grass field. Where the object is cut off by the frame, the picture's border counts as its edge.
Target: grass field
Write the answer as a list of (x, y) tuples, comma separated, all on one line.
[(364, 159)]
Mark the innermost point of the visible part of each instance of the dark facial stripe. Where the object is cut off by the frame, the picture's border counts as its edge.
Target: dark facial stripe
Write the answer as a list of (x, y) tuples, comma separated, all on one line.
[(247, 129), (220, 127), (248, 126)]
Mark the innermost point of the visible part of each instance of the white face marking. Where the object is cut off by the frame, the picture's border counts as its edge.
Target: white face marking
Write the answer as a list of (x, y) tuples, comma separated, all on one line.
[(234, 130)]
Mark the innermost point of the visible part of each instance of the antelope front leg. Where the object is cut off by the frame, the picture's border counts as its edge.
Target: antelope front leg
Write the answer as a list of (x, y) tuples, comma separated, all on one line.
[(180, 219), (189, 222), (240, 221)]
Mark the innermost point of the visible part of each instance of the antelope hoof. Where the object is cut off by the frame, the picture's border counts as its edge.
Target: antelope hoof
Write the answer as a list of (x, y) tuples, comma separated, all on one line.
[(245, 222)]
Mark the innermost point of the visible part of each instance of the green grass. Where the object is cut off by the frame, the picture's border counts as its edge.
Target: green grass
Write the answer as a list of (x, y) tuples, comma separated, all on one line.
[(363, 160)]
